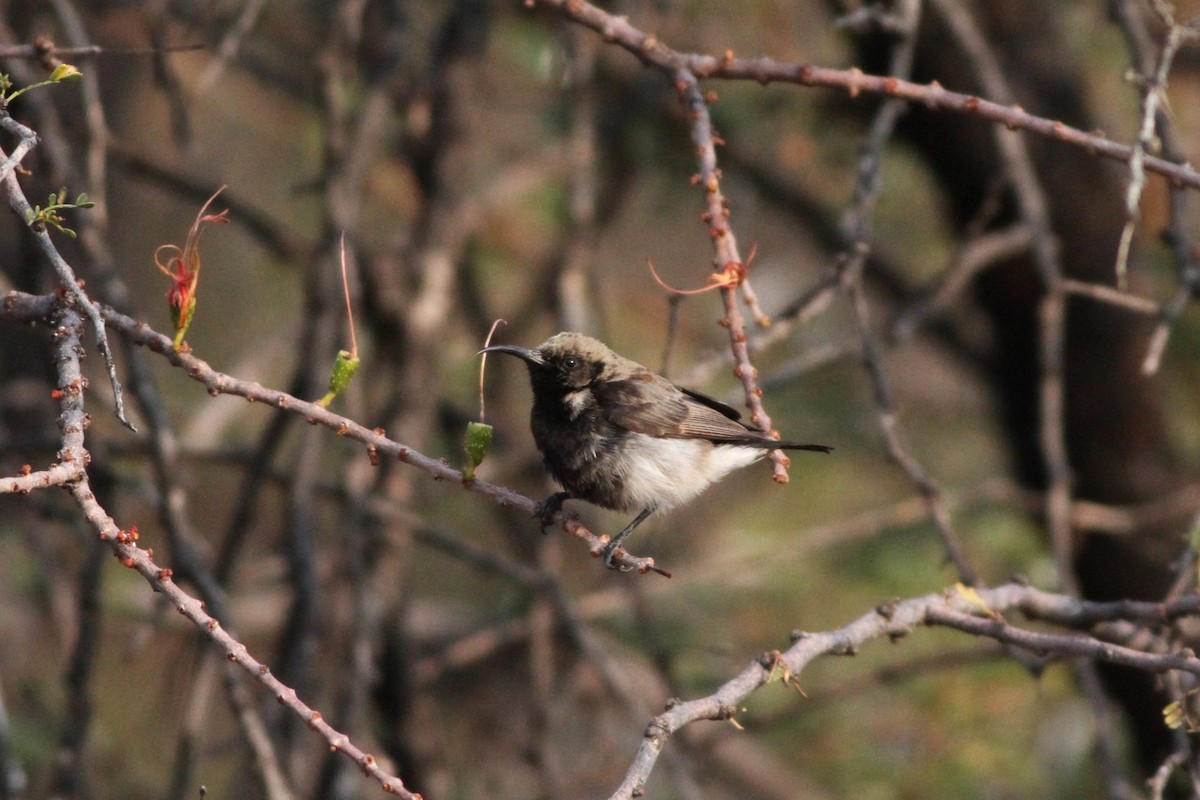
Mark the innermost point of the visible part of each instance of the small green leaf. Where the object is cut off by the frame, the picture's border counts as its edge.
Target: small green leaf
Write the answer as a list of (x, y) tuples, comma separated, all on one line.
[(65, 72), (343, 371), (479, 439)]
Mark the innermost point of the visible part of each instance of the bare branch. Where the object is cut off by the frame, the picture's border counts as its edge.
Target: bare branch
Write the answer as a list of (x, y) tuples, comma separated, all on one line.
[(650, 50), (976, 612)]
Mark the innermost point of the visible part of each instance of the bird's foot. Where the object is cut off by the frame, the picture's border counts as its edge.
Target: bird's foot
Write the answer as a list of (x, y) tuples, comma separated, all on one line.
[(609, 555), (614, 545), (545, 510)]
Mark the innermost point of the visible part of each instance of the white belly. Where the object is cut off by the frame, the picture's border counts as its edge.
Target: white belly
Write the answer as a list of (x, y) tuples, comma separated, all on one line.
[(663, 473)]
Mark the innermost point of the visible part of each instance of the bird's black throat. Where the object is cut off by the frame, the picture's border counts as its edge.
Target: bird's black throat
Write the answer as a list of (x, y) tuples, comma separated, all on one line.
[(580, 447)]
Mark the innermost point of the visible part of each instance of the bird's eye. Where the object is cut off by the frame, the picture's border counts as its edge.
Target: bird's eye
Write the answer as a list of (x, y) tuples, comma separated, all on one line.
[(571, 362)]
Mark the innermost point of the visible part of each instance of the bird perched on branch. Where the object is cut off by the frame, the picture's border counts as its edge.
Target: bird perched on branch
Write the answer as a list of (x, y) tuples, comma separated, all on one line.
[(616, 434)]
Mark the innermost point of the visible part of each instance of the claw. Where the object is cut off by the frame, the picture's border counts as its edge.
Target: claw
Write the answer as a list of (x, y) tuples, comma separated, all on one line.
[(609, 556), (545, 510), (614, 544)]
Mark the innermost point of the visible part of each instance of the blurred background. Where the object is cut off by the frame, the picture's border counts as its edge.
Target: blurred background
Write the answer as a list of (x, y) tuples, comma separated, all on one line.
[(490, 160)]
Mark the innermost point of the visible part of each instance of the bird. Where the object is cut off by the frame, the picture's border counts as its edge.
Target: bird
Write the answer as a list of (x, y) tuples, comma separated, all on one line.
[(617, 435)]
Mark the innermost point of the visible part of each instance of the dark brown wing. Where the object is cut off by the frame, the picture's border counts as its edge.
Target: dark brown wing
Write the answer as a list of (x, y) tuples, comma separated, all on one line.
[(651, 405), (749, 434), (713, 403)]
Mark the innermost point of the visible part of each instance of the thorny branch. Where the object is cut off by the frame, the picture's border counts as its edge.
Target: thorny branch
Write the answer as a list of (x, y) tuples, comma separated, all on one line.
[(650, 50), (73, 421), (716, 217)]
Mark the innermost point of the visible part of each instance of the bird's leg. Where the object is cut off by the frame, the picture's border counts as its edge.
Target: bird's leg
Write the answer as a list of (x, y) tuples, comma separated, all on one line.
[(614, 544), (546, 509)]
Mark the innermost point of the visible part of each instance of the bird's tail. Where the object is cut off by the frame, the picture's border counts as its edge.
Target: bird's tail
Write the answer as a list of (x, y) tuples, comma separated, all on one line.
[(775, 444), (817, 448)]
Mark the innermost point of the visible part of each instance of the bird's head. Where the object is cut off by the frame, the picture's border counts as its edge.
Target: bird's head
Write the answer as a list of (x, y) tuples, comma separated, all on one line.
[(568, 362)]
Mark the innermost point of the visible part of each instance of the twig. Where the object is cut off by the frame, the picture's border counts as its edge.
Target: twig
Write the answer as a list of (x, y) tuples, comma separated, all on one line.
[(726, 257), (578, 308), (1107, 735), (70, 766), (856, 228), (1170, 312), (1114, 297), (68, 283), (897, 448), (20, 306), (715, 216), (141, 560), (1158, 781), (44, 48), (971, 611), (1073, 645), (974, 257), (124, 545), (1154, 97), (256, 735), (483, 364), (1032, 207), (650, 50), (1130, 20), (96, 166)]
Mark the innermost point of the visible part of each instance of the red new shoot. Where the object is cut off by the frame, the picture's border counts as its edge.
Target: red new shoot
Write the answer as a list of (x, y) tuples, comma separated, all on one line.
[(730, 276), (183, 268)]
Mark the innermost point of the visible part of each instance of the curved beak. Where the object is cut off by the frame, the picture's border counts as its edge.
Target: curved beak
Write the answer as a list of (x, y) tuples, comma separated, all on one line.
[(523, 353)]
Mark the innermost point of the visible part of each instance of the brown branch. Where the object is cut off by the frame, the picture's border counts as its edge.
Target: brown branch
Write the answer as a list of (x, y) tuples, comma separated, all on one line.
[(123, 544), (650, 50), (1112, 296), (230, 44), (856, 226), (1034, 213), (136, 558), (1153, 99), (1071, 645), (1170, 312), (18, 306), (972, 611), (889, 423), (43, 49), (68, 283), (726, 257), (1129, 19)]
